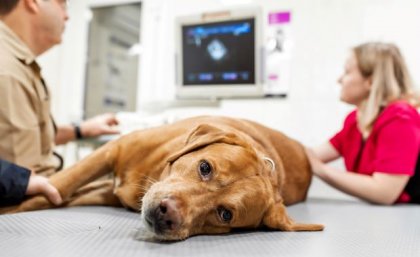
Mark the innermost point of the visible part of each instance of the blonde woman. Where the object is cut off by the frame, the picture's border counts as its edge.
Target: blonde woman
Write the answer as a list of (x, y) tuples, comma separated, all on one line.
[(380, 139)]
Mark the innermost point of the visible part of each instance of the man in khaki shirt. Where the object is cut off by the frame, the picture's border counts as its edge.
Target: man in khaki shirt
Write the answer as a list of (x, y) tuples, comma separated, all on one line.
[(28, 134)]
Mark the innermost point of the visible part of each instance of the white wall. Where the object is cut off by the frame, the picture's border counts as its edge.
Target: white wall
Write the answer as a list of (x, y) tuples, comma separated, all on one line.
[(63, 66), (324, 31)]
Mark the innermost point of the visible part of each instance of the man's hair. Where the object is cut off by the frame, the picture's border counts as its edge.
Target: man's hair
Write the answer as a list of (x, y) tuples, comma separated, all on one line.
[(7, 6)]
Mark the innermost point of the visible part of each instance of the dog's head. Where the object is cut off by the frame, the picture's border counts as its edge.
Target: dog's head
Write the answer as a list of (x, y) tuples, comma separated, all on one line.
[(216, 182)]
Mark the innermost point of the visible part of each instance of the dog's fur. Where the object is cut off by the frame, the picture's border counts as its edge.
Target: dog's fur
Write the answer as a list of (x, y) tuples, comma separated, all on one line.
[(203, 175)]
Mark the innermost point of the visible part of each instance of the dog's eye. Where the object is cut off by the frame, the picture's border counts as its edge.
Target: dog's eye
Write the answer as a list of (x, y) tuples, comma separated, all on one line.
[(204, 168), (224, 214)]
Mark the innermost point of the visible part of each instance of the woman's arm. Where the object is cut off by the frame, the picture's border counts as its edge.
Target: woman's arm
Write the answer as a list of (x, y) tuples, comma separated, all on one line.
[(326, 152), (379, 188)]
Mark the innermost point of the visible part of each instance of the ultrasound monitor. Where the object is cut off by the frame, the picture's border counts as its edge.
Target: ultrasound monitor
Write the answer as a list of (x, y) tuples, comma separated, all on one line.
[(112, 60), (219, 55)]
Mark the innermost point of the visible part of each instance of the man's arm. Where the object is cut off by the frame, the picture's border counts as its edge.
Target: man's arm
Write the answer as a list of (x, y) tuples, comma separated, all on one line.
[(96, 126), (19, 134)]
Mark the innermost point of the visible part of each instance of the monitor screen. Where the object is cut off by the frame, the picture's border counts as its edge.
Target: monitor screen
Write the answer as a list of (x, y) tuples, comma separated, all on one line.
[(219, 53)]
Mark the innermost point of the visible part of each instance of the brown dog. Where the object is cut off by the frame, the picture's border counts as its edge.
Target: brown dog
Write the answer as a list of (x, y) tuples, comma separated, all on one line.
[(204, 175)]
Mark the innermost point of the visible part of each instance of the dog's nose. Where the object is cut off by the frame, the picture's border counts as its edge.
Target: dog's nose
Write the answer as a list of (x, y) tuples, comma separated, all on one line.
[(164, 217), (169, 213)]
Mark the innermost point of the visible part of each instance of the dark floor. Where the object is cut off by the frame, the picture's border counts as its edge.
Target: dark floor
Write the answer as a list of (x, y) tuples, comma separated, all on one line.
[(352, 229)]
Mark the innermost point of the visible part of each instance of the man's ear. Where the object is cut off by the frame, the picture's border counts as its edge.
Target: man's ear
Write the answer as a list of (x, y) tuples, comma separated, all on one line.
[(205, 134), (32, 5), (276, 218)]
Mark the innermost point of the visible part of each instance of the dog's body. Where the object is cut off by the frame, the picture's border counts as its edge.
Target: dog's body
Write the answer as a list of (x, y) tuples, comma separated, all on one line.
[(203, 175)]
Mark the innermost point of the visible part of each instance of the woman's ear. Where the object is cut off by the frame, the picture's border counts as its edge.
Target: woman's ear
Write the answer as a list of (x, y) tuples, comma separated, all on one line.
[(368, 83)]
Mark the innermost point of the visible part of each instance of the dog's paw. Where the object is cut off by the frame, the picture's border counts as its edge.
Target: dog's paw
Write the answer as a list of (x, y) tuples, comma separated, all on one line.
[(9, 210), (35, 203), (142, 234)]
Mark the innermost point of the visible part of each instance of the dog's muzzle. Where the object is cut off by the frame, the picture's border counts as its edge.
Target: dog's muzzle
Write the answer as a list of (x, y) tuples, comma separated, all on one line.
[(163, 218)]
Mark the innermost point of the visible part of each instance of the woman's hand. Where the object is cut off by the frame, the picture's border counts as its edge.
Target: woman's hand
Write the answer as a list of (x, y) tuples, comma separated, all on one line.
[(317, 166), (380, 188)]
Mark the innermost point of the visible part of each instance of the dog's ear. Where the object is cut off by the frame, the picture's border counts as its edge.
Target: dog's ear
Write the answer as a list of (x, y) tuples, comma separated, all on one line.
[(205, 134), (276, 218)]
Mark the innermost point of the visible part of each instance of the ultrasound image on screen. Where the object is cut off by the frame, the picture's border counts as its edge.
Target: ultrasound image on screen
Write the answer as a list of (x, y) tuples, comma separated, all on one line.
[(219, 53)]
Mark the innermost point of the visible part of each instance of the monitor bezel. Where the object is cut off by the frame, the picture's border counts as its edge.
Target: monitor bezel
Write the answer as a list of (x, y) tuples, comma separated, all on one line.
[(217, 91)]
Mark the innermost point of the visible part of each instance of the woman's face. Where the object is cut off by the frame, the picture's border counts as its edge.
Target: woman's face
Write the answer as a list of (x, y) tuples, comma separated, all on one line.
[(354, 87)]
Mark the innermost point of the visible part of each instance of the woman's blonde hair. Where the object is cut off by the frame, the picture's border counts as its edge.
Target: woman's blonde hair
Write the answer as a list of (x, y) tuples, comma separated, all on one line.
[(391, 81)]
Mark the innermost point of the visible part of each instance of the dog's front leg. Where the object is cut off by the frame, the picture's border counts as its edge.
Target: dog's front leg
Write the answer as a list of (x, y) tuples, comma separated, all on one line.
[(38, 202), (95, 193), (68, 181), (94, 166)]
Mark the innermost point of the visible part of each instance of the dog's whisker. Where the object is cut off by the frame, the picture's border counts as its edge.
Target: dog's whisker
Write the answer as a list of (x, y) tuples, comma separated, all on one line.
[(150, 179), (138, 185)]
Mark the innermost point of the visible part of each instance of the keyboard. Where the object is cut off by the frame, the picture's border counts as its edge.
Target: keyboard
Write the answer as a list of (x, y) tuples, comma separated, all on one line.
[(131, 121)]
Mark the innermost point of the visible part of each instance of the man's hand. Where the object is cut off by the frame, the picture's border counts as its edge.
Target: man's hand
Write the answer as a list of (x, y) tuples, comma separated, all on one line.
[(40, 185), (99, 125)]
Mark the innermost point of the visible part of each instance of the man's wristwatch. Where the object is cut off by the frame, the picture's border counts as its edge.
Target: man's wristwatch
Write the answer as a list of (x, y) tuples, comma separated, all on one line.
[(77, 131)]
